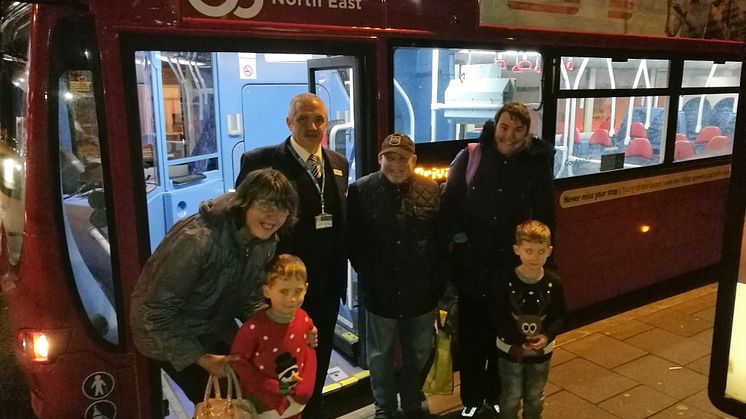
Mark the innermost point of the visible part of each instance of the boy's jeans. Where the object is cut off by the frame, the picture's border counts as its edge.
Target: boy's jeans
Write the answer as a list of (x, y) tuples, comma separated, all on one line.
[(522, 381), (416, 338)]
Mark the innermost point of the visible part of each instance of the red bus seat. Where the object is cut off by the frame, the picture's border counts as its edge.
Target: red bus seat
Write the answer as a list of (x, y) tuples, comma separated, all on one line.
[(706, 134), (639, 147), (601, 137), (683, 150), (637, 130), (718, 145)]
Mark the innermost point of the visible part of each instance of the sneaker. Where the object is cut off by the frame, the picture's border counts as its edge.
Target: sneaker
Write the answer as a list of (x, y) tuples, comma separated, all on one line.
[(496, 408), (469, 411)]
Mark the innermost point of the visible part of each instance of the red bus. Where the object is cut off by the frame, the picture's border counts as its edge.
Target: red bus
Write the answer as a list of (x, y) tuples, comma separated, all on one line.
[(117, 117)]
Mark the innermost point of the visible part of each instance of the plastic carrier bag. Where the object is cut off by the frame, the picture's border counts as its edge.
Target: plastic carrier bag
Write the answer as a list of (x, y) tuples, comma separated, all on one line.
[(439, 379)]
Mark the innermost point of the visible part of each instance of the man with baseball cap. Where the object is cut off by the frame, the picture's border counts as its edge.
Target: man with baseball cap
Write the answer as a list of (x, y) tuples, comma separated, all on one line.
[(398, 252)]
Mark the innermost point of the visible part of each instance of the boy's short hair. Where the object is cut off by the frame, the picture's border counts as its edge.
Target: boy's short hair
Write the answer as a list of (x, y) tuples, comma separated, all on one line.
[(533, 231), (269, 184), (285, 266)]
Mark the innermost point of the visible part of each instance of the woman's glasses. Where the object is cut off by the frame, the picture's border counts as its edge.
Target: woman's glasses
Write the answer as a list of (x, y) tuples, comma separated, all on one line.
[(266, 206)]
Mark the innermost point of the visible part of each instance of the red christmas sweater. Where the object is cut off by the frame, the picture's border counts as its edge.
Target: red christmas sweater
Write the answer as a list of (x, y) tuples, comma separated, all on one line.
[(261, 343)]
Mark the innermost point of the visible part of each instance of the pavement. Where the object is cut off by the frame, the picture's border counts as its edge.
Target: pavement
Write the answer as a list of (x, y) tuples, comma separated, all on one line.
[(649, 362)]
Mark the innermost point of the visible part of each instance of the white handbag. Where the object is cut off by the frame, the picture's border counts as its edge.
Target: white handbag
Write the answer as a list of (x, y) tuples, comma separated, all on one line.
[(234, 406)]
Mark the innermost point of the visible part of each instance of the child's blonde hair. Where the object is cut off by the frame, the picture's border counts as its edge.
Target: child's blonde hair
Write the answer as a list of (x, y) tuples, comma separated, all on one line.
[(285, 266), (533, 231)]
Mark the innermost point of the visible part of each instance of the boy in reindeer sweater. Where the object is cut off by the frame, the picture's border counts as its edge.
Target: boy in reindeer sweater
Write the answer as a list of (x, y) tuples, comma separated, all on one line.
[(277, 368), (529, 313)]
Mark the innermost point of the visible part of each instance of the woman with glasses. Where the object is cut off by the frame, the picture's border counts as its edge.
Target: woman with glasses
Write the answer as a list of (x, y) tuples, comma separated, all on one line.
[(208, 271)]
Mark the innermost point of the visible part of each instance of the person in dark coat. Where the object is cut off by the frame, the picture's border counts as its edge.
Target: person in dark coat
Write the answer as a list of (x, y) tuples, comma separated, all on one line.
[(208, 271), (320, 177), (397, 250), (513, 183)]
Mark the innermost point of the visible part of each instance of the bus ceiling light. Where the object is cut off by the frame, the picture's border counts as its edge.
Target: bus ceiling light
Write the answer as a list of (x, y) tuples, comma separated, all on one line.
[(644, 228), (34, 345)]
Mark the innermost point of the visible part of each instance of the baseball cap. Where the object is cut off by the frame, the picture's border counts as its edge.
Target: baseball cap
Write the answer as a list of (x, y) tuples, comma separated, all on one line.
[(398, 143)]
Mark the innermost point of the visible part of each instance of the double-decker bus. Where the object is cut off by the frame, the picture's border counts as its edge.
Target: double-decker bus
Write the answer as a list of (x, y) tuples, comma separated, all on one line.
[(117, 117)]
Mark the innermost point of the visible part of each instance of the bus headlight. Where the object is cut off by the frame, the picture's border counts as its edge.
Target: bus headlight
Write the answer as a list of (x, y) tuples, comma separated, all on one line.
[(34, 345)]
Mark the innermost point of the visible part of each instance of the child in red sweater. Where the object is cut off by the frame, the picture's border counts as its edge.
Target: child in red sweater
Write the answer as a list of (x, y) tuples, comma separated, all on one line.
[(277, 368)]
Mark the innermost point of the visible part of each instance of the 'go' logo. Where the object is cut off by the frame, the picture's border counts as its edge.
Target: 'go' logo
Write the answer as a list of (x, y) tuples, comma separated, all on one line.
[(227, 7)]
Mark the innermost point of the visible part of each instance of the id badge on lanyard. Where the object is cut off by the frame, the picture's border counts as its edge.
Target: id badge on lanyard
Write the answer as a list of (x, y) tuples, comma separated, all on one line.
[(324, 219)]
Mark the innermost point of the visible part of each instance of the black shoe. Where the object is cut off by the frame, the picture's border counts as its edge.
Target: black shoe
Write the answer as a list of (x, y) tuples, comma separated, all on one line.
[(382, 414), (417, 414)]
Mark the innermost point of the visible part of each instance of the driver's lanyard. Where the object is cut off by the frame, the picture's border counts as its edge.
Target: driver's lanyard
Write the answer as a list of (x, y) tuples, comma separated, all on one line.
[(319, 187)]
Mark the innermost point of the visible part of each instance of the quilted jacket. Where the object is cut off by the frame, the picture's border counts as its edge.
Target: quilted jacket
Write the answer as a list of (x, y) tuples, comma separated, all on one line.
[(395, 244), (204, 274)]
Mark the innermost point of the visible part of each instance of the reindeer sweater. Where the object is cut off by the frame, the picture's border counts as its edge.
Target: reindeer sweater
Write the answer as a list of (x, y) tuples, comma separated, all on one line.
[(524, 309)]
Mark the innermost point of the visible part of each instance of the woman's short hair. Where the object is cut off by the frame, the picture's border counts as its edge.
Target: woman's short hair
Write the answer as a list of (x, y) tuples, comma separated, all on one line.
[(285, 266), (268, 184)]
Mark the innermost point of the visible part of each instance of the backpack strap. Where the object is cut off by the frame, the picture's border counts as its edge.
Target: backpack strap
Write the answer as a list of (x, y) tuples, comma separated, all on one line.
[(475, 154)]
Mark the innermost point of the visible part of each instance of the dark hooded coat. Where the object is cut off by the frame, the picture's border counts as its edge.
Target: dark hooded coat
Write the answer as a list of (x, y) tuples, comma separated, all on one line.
[(505, 191)]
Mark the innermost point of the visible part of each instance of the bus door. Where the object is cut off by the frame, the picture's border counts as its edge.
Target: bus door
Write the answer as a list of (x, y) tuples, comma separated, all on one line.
[(200, 111), (336, 81)]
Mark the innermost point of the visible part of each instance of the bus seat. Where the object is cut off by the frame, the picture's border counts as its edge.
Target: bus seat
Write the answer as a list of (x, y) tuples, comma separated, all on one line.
[(681, 137), (600, 137), (718, 145), (683, 150), (707, 134), (637, 130), (576, 139), (598, 143), (639, 147)]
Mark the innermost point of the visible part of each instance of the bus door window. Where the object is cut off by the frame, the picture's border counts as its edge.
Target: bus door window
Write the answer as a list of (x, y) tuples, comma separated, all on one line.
[(598, 129), (85, 215), (14, 44), (335, 81), (706, 121), (178, 135)]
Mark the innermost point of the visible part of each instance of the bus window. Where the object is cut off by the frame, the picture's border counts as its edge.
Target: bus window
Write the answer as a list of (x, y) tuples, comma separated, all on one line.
[(14, 43), (85, 214), (711, 74), (596, 131), (448, 94), (706, 122), (591, 131), (579, 73)]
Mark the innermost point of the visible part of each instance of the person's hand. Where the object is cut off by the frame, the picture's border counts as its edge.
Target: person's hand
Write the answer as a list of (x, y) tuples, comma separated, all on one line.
[(312, 337), (536, 342), (216, 364)]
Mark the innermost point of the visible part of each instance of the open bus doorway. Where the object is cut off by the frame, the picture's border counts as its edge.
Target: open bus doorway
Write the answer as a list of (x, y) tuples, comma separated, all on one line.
[(200, 111)]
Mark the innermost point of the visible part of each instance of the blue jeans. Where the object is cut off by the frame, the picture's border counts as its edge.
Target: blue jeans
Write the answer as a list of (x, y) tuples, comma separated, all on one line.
[(522, 381), (416, 339)]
